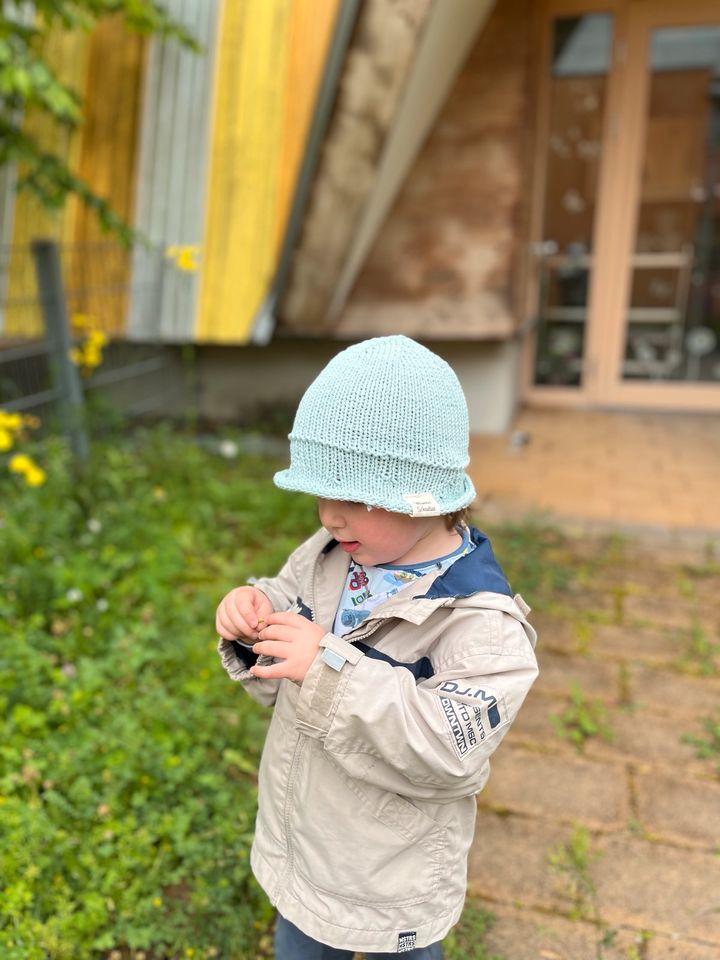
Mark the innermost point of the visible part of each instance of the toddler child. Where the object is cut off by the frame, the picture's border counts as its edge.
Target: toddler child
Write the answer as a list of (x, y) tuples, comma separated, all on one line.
[(395, 656)]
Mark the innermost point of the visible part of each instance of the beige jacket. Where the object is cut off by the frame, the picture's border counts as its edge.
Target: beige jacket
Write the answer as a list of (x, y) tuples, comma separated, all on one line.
[(370, 769)]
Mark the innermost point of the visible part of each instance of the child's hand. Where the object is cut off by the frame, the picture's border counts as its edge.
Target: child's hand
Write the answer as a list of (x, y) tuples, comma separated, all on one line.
[(241, 612), (294, 640)]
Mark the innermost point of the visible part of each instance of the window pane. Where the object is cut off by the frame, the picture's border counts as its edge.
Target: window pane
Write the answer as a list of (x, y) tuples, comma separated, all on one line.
[(581, 59)]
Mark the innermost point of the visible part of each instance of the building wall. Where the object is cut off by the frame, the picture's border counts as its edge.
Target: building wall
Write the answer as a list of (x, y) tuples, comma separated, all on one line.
[(238, 384), (375, 71), (445, 263)]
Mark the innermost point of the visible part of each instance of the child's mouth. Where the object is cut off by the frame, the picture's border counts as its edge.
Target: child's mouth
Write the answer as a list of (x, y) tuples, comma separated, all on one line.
[(349, 545)]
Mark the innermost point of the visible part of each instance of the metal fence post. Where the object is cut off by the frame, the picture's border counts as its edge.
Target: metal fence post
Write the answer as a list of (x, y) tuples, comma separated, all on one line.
[(54, 310)]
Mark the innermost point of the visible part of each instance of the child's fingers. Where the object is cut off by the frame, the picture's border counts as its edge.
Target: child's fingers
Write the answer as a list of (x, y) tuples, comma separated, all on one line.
[(261, 604), (229, 627), (286, 619), (275, 631), (273, 648), (242, 606), (273, 671)]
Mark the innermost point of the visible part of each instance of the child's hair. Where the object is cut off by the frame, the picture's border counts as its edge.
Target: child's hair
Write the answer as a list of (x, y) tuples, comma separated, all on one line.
[(459, 518), (386, 424)]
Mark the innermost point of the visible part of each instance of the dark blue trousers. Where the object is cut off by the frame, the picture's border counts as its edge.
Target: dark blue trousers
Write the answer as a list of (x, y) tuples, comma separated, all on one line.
[(293, 944)]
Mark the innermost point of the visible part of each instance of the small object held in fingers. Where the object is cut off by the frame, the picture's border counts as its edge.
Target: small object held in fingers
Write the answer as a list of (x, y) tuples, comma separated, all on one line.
[(260, 623)]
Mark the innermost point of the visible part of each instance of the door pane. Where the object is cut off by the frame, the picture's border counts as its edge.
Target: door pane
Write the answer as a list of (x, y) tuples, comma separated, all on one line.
[(580, 63), (673, 316)]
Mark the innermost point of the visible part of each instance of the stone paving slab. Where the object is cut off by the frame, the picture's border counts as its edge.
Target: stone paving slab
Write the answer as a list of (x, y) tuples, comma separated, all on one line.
[(509, 862), (672, 694), (533, 726), (530, 935), (559, 635), (559, 673), (641, 738), (649, 739), (643, 469), (653, 646), (638, 884), (646, 608), (564, 788), (519, 934), (679, 811), (666, 948), (650, 885)]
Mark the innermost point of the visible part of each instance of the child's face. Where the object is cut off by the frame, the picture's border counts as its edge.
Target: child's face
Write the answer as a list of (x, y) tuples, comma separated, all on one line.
[(378, 536)]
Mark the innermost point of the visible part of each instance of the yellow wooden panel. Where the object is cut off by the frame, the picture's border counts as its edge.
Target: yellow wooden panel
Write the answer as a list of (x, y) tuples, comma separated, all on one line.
[(67, 53), (270, 58), (107, 162), (238, 250), (311, 29)]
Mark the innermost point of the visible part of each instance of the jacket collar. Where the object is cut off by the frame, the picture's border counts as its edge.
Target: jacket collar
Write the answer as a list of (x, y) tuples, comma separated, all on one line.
[(477, 572)]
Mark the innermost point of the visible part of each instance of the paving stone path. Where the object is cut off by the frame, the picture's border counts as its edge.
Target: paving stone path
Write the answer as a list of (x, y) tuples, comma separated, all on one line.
[(609, 848)]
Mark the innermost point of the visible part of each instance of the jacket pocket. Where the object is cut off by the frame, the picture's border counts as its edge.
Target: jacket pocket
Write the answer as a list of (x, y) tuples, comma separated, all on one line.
[(358, 843)]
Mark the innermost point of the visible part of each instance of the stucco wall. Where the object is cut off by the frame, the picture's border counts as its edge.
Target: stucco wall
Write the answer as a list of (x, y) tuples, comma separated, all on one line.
[(445, 262)]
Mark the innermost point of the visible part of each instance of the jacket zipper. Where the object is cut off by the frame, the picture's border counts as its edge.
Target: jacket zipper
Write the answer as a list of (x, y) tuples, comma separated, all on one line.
[(294, 763), (286, 814)]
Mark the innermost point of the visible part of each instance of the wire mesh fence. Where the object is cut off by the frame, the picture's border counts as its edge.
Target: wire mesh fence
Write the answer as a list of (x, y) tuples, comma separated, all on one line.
[(64, 334)]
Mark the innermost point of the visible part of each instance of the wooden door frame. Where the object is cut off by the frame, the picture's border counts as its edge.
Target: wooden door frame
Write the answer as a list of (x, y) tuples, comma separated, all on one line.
[(618, 189)]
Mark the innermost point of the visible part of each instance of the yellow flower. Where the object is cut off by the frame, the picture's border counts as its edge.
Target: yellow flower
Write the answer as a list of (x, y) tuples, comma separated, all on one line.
[(187, 260), (97, 338), (92, 356), (157, 902), (21, 463), (82, 321), (186, 257), (35, 477), (10, 421), (6, 440), (76, 355)]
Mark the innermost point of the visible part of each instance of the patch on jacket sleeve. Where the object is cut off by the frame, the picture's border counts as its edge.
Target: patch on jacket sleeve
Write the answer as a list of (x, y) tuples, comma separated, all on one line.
[(406, 941), (470, 724)]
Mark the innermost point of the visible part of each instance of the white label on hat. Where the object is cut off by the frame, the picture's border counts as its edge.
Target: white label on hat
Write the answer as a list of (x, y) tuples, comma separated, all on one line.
[(422, 504)]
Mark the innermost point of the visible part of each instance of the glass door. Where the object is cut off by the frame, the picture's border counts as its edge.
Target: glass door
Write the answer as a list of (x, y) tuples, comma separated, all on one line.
[(672, 312), (626, 298)]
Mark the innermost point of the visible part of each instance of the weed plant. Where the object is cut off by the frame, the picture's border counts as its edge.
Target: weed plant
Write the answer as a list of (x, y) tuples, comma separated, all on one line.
[(583, 719), (708, 748)]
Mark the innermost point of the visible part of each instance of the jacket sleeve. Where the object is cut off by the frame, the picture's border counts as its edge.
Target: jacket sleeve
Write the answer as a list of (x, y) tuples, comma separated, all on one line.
[(282, 591), (430, 740)]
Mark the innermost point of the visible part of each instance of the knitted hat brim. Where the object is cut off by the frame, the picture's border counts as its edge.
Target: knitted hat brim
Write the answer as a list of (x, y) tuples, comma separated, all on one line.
[(449, 497)]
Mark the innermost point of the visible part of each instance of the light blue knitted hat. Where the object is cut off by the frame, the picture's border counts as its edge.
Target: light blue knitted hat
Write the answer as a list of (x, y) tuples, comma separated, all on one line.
[(386, 424)]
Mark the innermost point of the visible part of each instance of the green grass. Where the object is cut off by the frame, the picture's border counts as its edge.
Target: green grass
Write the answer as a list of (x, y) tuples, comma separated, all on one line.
[(127, 759)]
